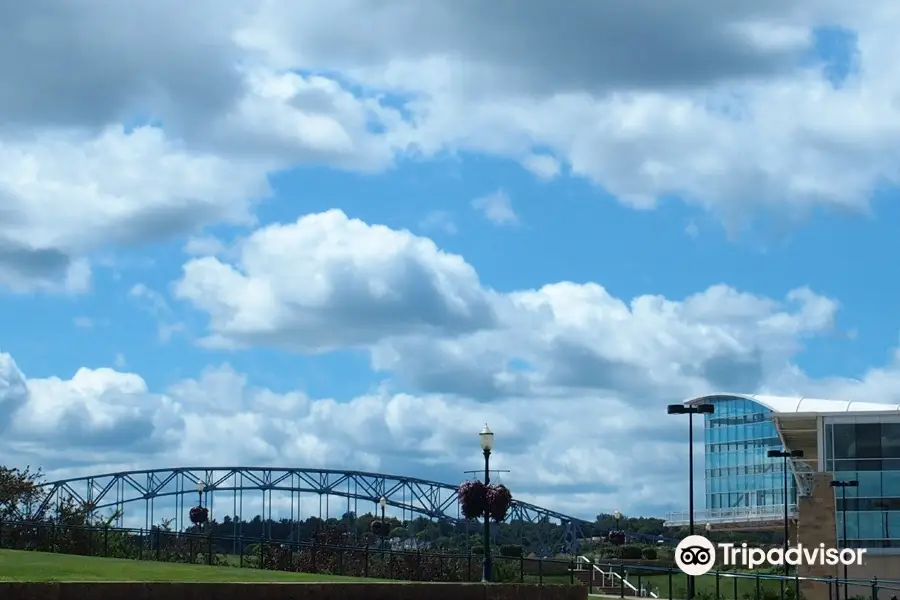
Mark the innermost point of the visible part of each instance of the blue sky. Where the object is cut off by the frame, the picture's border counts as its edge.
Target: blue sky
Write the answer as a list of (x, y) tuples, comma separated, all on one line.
[(352, 248)]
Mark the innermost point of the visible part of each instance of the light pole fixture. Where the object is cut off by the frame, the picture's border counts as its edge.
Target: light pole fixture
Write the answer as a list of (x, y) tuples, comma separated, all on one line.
[(690, 411), (785, 455), (844, 485), (383, 504), (486, 439), (618, 516), (201, 487)]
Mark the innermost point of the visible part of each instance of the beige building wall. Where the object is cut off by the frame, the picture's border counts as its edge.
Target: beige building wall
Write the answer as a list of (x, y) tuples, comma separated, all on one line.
[(876, 566), (817, 525)]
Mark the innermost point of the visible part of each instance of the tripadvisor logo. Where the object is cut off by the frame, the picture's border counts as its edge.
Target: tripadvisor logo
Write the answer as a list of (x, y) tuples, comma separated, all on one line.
[(695, 555)]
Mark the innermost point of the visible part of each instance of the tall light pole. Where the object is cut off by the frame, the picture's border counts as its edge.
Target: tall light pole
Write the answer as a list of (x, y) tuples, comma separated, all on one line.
[(690, 411), (786, 454), (201, 487), (844, 485), (383, 504), (486, 438)]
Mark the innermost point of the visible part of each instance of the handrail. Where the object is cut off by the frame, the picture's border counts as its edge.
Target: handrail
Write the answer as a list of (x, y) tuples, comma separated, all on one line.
[(727, 515), (612, 575)]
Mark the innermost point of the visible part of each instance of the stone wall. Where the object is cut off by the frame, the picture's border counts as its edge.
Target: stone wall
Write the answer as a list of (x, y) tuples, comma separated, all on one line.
[(816, 525), (288, 591)]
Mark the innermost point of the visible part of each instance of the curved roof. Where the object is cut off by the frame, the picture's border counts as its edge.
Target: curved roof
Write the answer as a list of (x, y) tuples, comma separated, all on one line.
[(795, 404)]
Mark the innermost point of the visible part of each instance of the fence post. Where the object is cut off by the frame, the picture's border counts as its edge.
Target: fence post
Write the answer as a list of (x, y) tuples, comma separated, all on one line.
[(366, 563), (522, 567), (590, 578), (157, 544), (572, 572), (209, 549), (622, 582), (757, 587), (718, 595), (262, 553), (874, 588), (541, 570), (670, 586), (106, 540)]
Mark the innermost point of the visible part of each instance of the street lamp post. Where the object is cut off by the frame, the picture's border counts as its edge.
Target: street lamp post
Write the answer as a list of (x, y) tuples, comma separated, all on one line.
[(201, 487), (382, 503), (690, 411), (618, 517), (844, 485), (785, 454), (486, 438)]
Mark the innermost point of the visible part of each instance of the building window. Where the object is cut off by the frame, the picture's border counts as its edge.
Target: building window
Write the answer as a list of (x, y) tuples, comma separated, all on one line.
[(868, 451), (739, 474)]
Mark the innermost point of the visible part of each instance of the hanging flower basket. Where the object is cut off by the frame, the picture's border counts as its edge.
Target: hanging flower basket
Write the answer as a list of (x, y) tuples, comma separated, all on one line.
[(617, 538), (472, 499), (199, 515), (499, 500), (380, 528)]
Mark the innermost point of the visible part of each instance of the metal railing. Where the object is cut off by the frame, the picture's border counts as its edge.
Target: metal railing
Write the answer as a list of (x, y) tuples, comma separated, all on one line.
[(748, 514), (621, 578), (656, 581), (611, 579), (342, 559)]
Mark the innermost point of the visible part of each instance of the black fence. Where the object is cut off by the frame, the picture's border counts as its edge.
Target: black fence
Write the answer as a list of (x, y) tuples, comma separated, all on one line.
[(362, 561), (764, 584), (371, 561)]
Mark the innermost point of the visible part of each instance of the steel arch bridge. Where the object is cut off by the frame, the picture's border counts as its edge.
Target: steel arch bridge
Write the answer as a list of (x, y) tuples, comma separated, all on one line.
[(128, 492)]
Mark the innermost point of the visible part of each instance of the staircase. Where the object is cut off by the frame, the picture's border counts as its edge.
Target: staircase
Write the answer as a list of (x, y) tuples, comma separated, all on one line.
[(603, 582)]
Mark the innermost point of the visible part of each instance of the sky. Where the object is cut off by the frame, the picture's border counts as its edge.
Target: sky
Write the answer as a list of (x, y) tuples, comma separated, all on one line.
[(348, 234)]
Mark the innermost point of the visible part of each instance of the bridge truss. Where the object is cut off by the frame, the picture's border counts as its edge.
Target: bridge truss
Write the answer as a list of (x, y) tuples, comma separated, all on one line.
[(149, 496)]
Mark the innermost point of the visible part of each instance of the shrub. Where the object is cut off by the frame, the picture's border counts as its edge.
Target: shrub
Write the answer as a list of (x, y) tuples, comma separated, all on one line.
[(630, 552), (511, 550)]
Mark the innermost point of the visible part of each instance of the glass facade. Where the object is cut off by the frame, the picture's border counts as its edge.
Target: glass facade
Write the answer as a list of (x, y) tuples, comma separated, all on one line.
[(866, 449), (737, 437)]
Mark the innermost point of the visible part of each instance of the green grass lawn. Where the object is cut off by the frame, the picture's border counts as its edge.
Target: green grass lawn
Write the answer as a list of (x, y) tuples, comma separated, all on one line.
[(17, 565)]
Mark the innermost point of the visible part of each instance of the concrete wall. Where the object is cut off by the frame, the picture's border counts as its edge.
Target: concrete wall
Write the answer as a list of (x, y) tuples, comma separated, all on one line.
[(288, 591), (875, 566), (817, 525)]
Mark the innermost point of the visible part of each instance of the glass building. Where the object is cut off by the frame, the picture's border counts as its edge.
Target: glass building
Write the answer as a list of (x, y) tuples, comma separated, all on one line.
[(737, 437), (866, 449), (855, 441)]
